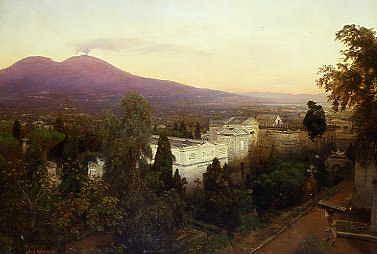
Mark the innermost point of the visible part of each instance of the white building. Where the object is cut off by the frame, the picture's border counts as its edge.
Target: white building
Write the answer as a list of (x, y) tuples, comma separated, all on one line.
[(192, 157), (238, 133), (95, 168), (269, 120)]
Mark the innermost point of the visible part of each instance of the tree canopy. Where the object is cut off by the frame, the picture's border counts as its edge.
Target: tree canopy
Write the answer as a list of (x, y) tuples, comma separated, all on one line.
[(352, 83), (315, 120), (163, 162)]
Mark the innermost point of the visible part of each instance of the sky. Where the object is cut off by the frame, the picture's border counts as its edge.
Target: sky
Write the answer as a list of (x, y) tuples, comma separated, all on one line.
[(234, 45)]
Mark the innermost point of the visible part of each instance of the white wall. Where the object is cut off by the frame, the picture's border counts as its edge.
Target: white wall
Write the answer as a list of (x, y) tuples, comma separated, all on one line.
[(192, 161)]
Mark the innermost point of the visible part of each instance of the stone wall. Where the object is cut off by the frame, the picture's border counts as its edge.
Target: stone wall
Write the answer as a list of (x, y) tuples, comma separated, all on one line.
[(365, 176), (283, 142)]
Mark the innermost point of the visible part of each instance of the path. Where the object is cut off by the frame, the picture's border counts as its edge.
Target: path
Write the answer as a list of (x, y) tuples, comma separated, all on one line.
[(313, 223)]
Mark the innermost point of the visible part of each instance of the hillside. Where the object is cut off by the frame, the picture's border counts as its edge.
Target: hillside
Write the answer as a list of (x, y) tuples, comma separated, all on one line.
[(92, 84), (285, 98)]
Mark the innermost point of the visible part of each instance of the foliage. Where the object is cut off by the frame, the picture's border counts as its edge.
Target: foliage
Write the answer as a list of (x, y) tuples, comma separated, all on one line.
[(16, 130), (6, 126), (197, 133), (126, 139), (179, 183), (181, 129), (93, 208), (151, 214), (74, 177), (9, 146), (26, 202), (352, 83), (163, 162), (151, 222), (221, 202), (35, 212), (213, 177), (281, 186), (249, 223), (315, 120), (44, 140)]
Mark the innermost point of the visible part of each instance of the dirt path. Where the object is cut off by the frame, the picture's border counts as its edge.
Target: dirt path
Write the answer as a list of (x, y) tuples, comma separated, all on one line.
[(313, 223)]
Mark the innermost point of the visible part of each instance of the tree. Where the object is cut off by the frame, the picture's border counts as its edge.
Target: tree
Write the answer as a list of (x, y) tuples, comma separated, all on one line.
[(73, 177), (179, 183), (352, 83), (26, 203), (150, 218), (163, 162), (126, 144), (197, 133), (213, 177), (59, 125), (92, 208), (150, 224), (44, 140), (281, 186), (16, 130), (315, 120), (221, 202)]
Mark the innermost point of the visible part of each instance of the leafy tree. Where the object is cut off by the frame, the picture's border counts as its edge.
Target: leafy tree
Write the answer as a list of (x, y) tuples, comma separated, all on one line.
[(221, 202), (163, 162), (74, 176), (26, 203), (150, 224), (93, 208), (352, 83), (315, 120), (150, 218), (213, 177), (44, 140), (126, 139), (59, 125), (281, 186), (16, 130), (9, 147)]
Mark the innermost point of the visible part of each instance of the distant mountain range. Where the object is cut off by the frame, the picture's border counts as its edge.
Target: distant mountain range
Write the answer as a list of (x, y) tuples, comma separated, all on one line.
[(285, 98), (92, 84)]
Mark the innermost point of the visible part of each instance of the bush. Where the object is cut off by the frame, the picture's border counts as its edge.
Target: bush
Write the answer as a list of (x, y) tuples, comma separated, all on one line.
[(281, 186), (249, 223)]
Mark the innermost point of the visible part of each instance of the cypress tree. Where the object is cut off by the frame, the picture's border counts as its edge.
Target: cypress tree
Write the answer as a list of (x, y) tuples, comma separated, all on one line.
[(179, 182), (197, 131), (16, 131), (163, 162)]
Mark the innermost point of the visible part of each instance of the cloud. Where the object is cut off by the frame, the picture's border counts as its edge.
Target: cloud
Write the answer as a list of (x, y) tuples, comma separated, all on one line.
[(136, 46)]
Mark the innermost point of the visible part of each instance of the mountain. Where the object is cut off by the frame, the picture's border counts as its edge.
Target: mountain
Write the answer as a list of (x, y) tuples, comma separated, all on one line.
[(285, 98), (92, 84)]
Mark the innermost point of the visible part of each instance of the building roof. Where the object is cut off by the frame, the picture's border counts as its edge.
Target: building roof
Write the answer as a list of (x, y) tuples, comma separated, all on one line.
[(176, 142), (241, 121), (266, 117), (232, 131)]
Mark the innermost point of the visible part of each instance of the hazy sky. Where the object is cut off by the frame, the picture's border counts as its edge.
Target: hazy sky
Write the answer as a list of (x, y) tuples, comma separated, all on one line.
[(235, 45)]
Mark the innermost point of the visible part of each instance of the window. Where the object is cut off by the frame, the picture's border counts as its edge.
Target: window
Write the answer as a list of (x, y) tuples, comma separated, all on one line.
[(242, 144), (192, 156)]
